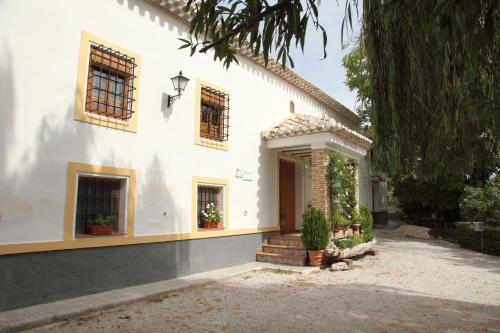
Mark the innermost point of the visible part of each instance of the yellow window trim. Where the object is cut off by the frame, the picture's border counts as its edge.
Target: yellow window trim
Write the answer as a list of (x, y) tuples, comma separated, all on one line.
[(73, 170), (194, 203), (81, 86), (197, 138)]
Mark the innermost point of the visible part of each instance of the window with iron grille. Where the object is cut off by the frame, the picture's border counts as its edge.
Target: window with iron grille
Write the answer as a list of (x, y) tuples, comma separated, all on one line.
[(110, 84), (208, 194), (214, 114), (99, 196)]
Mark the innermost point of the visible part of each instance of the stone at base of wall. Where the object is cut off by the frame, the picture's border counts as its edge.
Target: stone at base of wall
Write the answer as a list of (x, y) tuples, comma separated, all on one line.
[(380, 218), (35, 278)]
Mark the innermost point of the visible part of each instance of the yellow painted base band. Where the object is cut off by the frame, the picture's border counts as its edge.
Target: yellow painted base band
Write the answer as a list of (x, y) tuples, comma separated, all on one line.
[(105, 241)]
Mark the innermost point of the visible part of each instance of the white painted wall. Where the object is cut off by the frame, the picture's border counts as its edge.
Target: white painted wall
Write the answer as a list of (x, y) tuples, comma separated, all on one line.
[(39, 47)]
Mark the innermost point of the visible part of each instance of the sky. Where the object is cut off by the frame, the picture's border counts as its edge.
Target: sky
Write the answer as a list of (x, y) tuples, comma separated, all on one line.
[(327, 74)]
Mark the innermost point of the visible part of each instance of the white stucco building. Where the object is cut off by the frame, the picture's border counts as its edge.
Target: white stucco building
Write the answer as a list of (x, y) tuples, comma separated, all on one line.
[(86, 131)]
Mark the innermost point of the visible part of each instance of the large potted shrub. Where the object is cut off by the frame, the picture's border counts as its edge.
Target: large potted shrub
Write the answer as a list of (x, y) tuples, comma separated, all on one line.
[(366, 221), (100, 225), (315, 235)]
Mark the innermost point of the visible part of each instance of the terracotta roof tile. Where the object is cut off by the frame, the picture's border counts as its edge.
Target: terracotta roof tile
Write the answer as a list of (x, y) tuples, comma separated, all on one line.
[(301, 124)]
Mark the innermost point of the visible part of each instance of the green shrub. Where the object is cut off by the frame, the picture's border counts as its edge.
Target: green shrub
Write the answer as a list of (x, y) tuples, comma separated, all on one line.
[(315, 230), (366, 221), (344, 243), (350, 242), (340, 219), (482, 203), (466, 237), (356, 239)]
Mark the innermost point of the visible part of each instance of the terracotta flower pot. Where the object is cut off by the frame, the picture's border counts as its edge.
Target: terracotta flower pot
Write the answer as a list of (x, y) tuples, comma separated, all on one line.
[(356, 228), (100, 229), (213, 225), (205, 224), (316, 257), (336, 228)]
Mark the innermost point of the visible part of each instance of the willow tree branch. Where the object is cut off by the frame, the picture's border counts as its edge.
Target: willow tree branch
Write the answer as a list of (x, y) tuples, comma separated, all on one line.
[(253, 20)]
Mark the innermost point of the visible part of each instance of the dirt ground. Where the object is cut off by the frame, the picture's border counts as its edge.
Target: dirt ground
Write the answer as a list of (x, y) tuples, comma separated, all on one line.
[(411, 285)]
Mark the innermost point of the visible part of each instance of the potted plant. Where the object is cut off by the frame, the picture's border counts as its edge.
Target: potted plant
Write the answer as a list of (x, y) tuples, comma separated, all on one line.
[(356, 222), (343, 222), (337, 221), (100, 225), (211, 217), (315, 235)]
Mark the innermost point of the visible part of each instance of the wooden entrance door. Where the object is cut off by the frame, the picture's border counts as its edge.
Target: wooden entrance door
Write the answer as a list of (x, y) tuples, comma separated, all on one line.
[(287, 196)]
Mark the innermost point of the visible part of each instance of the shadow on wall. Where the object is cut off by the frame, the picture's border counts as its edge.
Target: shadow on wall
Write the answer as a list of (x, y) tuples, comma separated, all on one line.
[(155, 203), (33, 177), (267, 188), (33, 166)]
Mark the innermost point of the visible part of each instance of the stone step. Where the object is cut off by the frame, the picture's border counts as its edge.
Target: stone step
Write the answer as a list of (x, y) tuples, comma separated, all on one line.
[(284, 249), (281, 259), (285, 240)]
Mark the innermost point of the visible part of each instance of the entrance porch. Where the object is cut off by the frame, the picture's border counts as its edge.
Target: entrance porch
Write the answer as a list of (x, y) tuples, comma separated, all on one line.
[(303, 144)]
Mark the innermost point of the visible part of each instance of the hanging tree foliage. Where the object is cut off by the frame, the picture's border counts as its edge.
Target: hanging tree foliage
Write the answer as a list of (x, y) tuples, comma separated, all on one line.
[(433, 69)]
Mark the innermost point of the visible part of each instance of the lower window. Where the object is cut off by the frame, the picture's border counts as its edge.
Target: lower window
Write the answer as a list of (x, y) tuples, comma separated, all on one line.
[(100, 206), (210, 208)]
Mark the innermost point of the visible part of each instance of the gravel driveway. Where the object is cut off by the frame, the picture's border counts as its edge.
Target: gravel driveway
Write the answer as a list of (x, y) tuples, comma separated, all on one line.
[(409, 286)]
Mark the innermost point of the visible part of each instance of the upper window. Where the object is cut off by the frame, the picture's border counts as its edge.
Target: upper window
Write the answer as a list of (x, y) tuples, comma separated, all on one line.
[(214, 114), (107, 84), (110, 87), (100, 205)]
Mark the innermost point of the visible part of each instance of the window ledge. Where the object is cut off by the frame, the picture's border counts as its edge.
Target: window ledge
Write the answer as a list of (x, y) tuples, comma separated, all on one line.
[(210, 229), (89, 236), (220, 145)]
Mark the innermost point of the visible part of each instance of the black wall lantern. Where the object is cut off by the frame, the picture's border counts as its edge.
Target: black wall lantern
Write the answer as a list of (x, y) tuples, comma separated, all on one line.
[(179, 82)]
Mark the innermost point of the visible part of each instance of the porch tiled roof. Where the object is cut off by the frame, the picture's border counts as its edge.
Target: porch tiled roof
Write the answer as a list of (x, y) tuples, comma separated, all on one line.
[(301, 124)]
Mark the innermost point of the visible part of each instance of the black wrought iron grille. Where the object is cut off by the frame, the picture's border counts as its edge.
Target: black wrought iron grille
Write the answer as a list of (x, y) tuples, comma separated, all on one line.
[(214, 115), (110, 86), (207, 195), (97, 196)]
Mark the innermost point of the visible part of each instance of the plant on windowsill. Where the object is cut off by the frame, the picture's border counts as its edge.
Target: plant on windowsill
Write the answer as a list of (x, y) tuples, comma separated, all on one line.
[(100, 225), (315, 235), (211, 217)]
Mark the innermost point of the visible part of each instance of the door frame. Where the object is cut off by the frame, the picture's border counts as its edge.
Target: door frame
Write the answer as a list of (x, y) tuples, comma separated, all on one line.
[(300, 190)]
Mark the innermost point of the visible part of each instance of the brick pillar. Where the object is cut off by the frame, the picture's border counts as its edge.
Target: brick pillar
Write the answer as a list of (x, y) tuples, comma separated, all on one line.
[(319, 173)]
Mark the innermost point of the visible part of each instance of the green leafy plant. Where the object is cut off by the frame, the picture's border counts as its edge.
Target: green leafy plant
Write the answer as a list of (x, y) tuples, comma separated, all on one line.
[(466, 236), (356, 239), (341, 185), (482, 203), (349, 242), (210, 214), (356, 217), (315, 230), (102, 220), (345, 243), (366, 221), (339, 219)]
